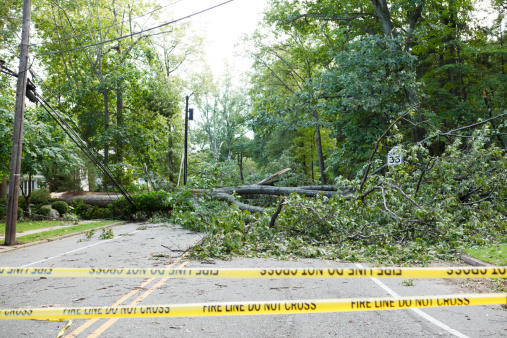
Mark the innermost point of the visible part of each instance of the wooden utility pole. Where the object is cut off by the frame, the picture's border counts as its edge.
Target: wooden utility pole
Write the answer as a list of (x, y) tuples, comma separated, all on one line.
[(17, 138)]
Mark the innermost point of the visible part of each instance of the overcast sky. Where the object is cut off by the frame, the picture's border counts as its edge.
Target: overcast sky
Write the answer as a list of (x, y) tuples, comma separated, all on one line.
[(222, 27)]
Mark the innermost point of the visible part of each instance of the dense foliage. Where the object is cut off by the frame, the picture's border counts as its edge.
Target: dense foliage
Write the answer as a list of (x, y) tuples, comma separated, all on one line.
[(331, 76), (122, 99)]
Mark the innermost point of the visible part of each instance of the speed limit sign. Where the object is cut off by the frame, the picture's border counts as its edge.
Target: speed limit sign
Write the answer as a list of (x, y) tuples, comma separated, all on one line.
[(395, 156)]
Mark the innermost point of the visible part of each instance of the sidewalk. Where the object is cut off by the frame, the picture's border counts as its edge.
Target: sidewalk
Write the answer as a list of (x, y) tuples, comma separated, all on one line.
[(4, 248)]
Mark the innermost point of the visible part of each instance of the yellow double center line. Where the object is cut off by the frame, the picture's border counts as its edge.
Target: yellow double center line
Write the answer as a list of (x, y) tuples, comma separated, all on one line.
[(138, 300)]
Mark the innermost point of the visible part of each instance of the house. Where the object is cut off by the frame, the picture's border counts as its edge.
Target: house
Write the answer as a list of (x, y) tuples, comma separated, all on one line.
[(38, 181)]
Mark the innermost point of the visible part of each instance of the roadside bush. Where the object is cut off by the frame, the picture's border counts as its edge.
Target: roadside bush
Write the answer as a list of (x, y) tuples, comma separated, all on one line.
[(88, 212), (60, 206), (43, 211), (40, 196), (3, 212), (21, 202)]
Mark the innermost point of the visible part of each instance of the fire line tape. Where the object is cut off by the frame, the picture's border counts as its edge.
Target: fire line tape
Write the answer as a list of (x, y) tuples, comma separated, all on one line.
[(389, 272), (256, 308)]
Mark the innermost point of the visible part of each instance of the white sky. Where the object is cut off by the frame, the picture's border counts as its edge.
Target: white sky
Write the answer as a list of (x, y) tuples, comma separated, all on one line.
[(222, 27)]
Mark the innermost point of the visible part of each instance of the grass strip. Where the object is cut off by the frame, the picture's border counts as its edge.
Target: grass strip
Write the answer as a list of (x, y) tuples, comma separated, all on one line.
[(492, 254), (60, 232), (35, 225)]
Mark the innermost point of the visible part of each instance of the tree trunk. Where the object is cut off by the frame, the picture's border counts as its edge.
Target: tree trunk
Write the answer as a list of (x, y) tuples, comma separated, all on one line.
[(319, 148), (95, 200), (240, 164), (382, 12), (119, 114), (267, 181), (255, 189), (231, 199), (170, 154), (106, 126), (119, 123)]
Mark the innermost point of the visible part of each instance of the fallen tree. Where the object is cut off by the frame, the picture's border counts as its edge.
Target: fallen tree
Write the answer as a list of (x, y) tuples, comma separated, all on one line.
[(256, 189), (93, 200), (265, 187)]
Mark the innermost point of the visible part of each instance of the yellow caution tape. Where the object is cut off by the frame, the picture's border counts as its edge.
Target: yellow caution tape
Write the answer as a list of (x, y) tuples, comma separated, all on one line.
[(257, 308), (459, 272), (62, 332)]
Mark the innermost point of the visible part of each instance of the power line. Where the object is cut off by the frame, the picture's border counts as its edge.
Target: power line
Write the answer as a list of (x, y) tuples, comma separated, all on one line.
[(89, 152), (137, 33), (98, 29), (83, 146)]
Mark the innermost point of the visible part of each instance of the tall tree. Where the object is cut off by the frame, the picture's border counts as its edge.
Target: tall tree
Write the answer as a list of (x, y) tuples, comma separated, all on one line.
[(223, 123)]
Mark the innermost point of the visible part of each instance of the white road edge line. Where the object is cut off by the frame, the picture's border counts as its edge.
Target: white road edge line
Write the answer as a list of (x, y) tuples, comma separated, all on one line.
[(417, 311), (68, 252)]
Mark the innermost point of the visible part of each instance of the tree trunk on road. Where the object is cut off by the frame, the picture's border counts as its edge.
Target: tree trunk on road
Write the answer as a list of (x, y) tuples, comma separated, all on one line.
[(255, 189), (94, 200)]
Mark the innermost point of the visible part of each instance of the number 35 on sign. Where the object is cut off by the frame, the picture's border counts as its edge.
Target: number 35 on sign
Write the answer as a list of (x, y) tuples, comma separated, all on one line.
[(395, 156)]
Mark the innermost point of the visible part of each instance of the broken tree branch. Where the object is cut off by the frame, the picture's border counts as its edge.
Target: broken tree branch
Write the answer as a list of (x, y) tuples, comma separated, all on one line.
[(277, 212), (233, 200), (266, 180)]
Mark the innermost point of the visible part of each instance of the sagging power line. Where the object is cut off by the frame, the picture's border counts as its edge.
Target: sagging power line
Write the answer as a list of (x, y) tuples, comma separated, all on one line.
[(98, 29), (136, 33), (33, 96)]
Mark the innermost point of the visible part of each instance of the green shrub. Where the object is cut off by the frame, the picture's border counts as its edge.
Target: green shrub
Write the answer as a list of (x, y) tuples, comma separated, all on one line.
[(3, 212), (43, 211), (40, 196), (149, 204), (60, 206), (21, 201), (88, 212)]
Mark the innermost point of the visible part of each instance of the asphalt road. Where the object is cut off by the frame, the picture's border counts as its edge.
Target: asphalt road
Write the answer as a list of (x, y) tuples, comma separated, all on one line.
[(136, 246)]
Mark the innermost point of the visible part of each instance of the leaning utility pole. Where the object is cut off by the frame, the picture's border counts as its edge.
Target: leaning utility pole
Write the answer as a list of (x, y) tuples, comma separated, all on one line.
[(17, 138)]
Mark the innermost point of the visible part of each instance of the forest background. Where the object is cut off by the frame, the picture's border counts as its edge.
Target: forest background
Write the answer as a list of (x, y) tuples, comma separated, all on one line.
[(333, 87)]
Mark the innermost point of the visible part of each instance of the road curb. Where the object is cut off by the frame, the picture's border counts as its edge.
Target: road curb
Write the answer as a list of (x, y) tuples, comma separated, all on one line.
[(4, 248), (473, 261)]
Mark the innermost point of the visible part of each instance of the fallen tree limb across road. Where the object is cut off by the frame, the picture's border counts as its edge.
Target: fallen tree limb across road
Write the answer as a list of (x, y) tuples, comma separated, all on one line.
[(256, 189), (94, 200), (225, 193), (233, 200)]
